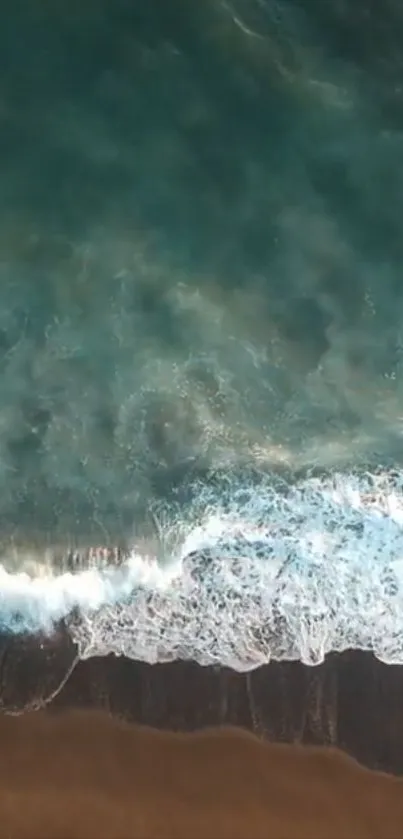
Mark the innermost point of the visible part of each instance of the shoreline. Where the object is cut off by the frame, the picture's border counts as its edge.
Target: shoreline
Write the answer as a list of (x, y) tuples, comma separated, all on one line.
[(84, 773), (352, 701)]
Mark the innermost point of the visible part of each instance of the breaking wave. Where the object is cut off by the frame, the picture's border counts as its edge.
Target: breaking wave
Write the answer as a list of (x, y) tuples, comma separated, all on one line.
[(248, 571)]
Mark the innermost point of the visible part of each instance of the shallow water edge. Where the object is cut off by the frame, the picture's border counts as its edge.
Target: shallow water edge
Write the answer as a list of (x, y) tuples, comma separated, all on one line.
[(352, 700)]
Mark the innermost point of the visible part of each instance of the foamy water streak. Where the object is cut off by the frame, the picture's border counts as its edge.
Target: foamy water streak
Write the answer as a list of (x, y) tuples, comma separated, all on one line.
[(259, 571), (35, 604)]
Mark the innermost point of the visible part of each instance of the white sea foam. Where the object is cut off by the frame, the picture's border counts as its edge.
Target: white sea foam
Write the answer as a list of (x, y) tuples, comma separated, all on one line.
[(258, 571)]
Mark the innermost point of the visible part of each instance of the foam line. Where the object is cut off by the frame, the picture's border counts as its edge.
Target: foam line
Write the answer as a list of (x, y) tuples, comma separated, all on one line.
[(36, 604), (261, 571)]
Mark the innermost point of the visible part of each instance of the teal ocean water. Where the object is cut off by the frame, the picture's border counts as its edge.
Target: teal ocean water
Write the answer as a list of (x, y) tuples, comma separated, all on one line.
[(201, 325)]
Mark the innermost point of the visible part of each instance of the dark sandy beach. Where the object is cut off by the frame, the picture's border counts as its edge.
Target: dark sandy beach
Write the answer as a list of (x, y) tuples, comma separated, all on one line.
[(86, 774), (351, 702), (124, 750)]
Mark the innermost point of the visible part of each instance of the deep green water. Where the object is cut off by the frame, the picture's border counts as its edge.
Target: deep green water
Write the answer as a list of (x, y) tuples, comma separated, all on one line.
[(201, 212)]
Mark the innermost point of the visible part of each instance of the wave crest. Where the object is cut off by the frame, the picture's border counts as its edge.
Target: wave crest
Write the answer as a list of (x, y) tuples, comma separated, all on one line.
[(275, 571)]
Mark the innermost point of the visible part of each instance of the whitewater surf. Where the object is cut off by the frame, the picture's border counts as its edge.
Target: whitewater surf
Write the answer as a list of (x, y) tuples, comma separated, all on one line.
[(246, 573)]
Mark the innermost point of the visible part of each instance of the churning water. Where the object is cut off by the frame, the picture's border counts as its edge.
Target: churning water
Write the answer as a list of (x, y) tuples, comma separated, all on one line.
[(201, 326)]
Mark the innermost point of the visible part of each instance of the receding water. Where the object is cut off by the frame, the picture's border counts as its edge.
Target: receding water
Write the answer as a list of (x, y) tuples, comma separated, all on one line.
[(201, 252)]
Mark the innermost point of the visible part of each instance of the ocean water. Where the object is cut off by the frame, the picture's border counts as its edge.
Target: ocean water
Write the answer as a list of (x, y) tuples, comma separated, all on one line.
[(201, 326)]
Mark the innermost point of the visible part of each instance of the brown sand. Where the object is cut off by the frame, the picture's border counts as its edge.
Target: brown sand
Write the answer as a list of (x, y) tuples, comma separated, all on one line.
[(84, 774)]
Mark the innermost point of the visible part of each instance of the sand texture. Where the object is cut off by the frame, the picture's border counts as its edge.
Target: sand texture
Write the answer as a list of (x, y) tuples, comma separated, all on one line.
[(86, 774)]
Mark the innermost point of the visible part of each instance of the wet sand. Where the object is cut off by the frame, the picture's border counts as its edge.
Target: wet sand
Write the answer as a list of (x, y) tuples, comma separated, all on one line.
[(83, 774)]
